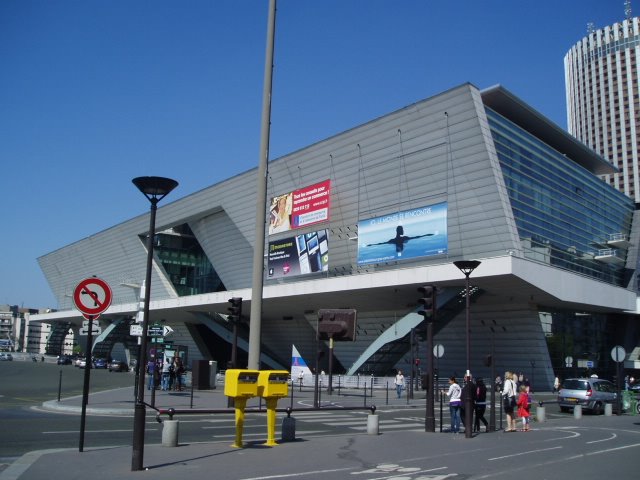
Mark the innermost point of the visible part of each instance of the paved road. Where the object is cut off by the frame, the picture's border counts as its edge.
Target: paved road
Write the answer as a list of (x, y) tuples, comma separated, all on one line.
[(593, 449)]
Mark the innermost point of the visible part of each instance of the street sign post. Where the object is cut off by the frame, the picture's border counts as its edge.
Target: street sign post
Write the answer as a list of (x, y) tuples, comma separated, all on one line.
[(92, 296), (618, 354)]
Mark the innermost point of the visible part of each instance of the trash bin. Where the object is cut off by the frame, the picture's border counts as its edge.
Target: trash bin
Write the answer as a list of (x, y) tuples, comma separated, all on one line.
[(200, 375)]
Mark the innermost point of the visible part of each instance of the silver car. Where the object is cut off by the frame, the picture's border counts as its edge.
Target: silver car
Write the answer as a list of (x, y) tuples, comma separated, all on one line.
[(590, 393)]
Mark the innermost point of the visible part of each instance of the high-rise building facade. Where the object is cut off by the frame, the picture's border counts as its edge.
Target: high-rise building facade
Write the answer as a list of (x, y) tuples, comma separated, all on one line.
[(602, 93)]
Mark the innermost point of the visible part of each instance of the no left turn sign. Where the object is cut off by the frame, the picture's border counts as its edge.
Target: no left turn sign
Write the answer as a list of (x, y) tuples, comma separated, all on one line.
[(92, 296)]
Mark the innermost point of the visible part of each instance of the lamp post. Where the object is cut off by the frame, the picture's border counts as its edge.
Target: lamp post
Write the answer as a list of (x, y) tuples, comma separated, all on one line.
[(466, 267), (492, 364), (155, 189)]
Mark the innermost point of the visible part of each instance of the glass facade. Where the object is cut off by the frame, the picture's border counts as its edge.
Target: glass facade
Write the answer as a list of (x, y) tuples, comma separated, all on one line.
[(565, 215), (186, 264)]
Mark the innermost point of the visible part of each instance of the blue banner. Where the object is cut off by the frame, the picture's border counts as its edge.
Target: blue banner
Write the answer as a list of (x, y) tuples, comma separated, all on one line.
[(409, 234)]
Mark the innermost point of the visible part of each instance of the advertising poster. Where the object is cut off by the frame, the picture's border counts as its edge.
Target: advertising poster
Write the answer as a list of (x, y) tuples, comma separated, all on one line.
[(299, 255), (409, 234), (300, 208)]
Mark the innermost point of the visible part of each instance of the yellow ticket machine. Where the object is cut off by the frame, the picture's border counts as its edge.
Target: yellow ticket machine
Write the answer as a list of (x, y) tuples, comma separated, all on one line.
[(241, 385), (272, 385)]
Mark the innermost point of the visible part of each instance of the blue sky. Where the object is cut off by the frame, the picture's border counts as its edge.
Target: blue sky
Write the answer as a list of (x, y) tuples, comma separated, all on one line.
[(94, 93)]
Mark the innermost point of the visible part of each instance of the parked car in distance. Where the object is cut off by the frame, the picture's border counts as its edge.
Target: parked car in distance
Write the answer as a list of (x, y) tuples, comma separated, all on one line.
[(5, 357), (81, 362), (100, 363), (64, 360), (592, 394), (118, 366), (635, 387)]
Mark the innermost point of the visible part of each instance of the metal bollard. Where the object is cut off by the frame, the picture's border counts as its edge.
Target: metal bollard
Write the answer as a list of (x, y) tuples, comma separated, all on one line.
[(288, 427), (608, 409), (170, 433), (577, 411), (541, 413), (373, 422)]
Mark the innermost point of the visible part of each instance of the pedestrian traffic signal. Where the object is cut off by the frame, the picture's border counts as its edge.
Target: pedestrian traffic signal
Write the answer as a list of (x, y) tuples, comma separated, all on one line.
[(428, 301), (235, 310)]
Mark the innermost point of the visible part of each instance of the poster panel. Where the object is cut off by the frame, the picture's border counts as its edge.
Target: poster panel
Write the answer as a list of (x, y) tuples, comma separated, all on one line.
[(404, 235), (300, 255), (300, 208)]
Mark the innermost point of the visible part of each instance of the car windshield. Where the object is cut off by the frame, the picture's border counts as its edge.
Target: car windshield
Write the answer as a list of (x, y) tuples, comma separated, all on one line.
[(574, 384)]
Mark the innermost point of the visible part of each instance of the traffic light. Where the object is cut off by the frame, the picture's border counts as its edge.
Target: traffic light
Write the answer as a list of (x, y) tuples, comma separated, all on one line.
[(235, 310), (428, 301)]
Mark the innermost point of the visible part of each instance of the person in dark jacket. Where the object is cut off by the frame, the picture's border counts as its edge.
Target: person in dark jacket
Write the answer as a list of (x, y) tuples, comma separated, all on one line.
[(468, 385), (480, 406)]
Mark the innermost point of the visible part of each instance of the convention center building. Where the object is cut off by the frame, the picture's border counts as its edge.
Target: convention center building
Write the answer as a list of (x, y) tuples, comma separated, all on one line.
[(360, 221)]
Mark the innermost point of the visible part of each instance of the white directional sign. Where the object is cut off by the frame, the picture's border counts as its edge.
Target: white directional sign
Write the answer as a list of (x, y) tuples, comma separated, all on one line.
[(85, 330), (135, 330), (154, 330)]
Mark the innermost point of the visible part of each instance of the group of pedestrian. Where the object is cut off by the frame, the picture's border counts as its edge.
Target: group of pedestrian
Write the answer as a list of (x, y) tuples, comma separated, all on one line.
[(168, 375), (516, 398), (457, 395)]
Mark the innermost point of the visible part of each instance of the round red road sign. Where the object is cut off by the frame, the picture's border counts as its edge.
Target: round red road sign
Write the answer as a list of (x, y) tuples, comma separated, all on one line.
[(92, 296)]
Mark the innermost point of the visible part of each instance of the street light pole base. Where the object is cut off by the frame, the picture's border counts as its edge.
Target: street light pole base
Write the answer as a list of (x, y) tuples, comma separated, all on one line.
[(139, 417)]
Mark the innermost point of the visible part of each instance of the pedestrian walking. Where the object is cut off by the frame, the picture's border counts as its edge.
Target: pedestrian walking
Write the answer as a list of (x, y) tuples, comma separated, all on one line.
[(454, 394), (480, 406), (524, 406), (509, 400), (166, 374), (468, 389), (179, 371), (151, 367), (172, 374), (399, 383)]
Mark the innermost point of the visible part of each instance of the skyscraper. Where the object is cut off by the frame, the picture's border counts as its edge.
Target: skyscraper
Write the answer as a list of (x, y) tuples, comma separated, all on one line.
[(602, 93)]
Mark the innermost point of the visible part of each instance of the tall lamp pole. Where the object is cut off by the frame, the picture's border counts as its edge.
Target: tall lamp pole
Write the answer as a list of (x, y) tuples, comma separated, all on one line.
[(155, 189), (466, 267)]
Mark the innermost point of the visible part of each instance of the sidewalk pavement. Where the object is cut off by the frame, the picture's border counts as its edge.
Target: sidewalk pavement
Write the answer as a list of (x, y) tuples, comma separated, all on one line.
[(333, 456), (121, 401)]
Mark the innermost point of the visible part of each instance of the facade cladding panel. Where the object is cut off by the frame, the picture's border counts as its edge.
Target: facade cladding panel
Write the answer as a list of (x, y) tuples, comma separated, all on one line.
[(446, 150), (227, 249)]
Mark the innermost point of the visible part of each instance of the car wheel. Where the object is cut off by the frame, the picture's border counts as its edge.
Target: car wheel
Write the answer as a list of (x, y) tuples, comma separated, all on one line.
[(597, 409)]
